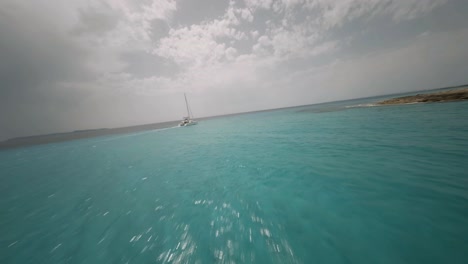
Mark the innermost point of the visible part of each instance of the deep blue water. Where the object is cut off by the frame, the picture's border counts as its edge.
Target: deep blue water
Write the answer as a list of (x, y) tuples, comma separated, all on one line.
[(314, 184)]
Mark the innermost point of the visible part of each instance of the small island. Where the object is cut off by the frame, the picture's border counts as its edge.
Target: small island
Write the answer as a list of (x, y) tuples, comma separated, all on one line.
[(451, 95)]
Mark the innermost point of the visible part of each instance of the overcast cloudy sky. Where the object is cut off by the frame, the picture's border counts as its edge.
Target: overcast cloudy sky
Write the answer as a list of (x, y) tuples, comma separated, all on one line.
[(67, 65)]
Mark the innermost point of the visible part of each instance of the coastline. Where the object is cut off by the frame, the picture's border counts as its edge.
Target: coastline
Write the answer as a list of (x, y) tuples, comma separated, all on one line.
[(423, 97), (453, 95), (79, 134)]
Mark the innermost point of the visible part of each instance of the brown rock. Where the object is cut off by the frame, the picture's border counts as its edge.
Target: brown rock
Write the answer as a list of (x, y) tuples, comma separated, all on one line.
[(444, 96)]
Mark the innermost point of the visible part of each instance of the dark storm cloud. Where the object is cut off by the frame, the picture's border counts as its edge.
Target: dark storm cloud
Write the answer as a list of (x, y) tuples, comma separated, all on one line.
[(51, 63), (95, 20), (33, 58), (31, 53)]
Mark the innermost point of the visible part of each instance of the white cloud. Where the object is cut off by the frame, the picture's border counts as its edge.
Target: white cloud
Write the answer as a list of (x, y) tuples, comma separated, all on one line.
[(262, 48), (406, 10), (135, 24), (323, 48), (132, 30), (246, 14), (332, 13), (200, 44), (231, 53), (265, 4), (206, 52), (254, 34), (335, 13), (141, 13), (410, 67), (191, 47), (290, 42), (206, 43)]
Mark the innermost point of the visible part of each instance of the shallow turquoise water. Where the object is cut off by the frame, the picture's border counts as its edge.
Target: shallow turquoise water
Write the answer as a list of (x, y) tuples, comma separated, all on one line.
[(304, 185)]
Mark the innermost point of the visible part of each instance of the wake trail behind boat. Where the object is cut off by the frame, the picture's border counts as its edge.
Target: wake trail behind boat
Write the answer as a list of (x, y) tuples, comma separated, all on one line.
[(137, 134)]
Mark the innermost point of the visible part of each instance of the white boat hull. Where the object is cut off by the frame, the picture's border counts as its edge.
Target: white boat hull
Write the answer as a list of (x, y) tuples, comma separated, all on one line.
[(187, 121), (190, 123)]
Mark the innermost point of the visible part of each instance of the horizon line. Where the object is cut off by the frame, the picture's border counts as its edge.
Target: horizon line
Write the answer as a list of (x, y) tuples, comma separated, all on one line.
[(222, 115)]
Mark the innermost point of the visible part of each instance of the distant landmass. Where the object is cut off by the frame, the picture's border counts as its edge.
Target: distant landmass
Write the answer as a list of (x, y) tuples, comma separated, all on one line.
[(448, 94), (79, 134), (452, 95)]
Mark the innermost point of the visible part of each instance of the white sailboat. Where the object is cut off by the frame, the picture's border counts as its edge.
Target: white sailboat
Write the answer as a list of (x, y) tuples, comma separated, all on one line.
[(188, 121)]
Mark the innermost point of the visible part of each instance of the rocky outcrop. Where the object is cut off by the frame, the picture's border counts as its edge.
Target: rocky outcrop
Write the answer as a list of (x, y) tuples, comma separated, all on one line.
[(444, 96)]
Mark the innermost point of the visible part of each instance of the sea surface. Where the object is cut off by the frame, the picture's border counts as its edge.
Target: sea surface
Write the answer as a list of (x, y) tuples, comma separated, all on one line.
[(328, 183)]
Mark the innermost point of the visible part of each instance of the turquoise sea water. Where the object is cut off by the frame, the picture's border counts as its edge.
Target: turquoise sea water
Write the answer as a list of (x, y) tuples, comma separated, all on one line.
[(314, 184)]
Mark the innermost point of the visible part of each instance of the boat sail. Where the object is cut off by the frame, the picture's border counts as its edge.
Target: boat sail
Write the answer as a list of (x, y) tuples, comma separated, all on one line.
[(187, 121)]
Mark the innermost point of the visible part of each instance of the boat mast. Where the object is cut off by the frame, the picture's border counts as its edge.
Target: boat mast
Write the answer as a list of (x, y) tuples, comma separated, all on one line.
[(186, 104)]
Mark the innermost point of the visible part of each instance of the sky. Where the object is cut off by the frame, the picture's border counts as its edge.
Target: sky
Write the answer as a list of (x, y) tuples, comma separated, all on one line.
[(70, 65)]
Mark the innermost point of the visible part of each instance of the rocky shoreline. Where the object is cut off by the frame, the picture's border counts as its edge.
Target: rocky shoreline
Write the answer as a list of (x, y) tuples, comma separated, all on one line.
[(444, 96)]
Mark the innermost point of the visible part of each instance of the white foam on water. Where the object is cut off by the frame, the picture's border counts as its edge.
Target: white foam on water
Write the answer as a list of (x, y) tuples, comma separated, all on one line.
[(55, 247), (136, 134), (361, 105), (12, 244), (100, 241)]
